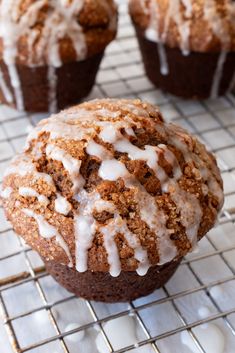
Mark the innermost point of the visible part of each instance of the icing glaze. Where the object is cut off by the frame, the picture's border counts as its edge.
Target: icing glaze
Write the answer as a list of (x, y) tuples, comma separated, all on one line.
[(52, 80), (116, 226), (29, 192), (48, 231), (71, 164), (22, 165), (175, 14), (62, 205), (220, 31), (218, 75), (152, 33), (5, 90), (112, 170)]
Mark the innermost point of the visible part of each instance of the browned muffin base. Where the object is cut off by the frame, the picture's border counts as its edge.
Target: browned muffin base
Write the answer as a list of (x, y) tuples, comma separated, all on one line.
[(189, 76), (103, 287), (74, 82)]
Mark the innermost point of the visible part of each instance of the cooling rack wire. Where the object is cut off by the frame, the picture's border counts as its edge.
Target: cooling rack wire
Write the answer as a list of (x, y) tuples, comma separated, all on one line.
[(36, 311)]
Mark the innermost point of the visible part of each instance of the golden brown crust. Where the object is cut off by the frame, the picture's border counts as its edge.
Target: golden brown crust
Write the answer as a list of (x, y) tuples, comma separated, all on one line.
[(202, 36), (149, 130), (98, 21)]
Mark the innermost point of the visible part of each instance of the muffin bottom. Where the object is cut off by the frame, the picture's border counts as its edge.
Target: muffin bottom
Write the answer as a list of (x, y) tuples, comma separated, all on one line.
[(73, 81), (190, 76), (103, 287)]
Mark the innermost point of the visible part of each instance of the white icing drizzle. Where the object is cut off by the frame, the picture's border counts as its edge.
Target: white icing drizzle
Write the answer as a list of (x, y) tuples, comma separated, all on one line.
[(174, 13), (215, 21), (5, 90), (109, 232), (220, 31), (62, 206), (52, 81), (152, 33), (94, 149), (115, 226), (156, 221), (108, 134), (129, 131), (104, 112), (188, 7), (57, 129), (36, 150), (22, 165), (71, 164), (16, 84), (62, 125), (48, 231), (112, 170), (29, 192), (218, 75), (6, 193), (163, 59), (84, 228)]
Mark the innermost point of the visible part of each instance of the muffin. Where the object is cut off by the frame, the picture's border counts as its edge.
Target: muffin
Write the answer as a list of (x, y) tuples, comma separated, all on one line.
[(188, 47), (50, 51), (112, 197)]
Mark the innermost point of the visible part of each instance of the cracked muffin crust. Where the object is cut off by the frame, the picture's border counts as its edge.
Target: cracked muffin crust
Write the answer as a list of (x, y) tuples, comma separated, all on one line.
[(109, 187), (42, 40)]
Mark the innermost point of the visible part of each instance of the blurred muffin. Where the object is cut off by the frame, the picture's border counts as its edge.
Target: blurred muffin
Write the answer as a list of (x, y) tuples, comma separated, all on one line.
[(188, 47), (112, 197), (50, 51)]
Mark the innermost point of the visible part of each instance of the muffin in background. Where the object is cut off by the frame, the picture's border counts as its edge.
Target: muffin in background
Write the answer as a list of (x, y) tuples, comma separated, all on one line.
[(50, 51), (112, 197), (188, 47)]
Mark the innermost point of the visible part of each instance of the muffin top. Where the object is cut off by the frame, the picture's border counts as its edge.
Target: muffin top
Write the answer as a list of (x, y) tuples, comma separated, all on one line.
[(53, 32), (108, 186), (191, 25)]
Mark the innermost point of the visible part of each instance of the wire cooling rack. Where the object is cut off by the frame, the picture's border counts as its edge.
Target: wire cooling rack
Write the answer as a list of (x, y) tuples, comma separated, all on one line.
[(37, 313)]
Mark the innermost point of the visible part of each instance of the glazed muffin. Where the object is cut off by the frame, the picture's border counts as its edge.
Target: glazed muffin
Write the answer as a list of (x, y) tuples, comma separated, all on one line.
[(112, 197), (188, 47), (50, 51)]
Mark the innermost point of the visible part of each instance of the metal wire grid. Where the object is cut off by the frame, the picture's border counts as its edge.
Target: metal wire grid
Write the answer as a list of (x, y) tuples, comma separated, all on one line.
[(213, 122)]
